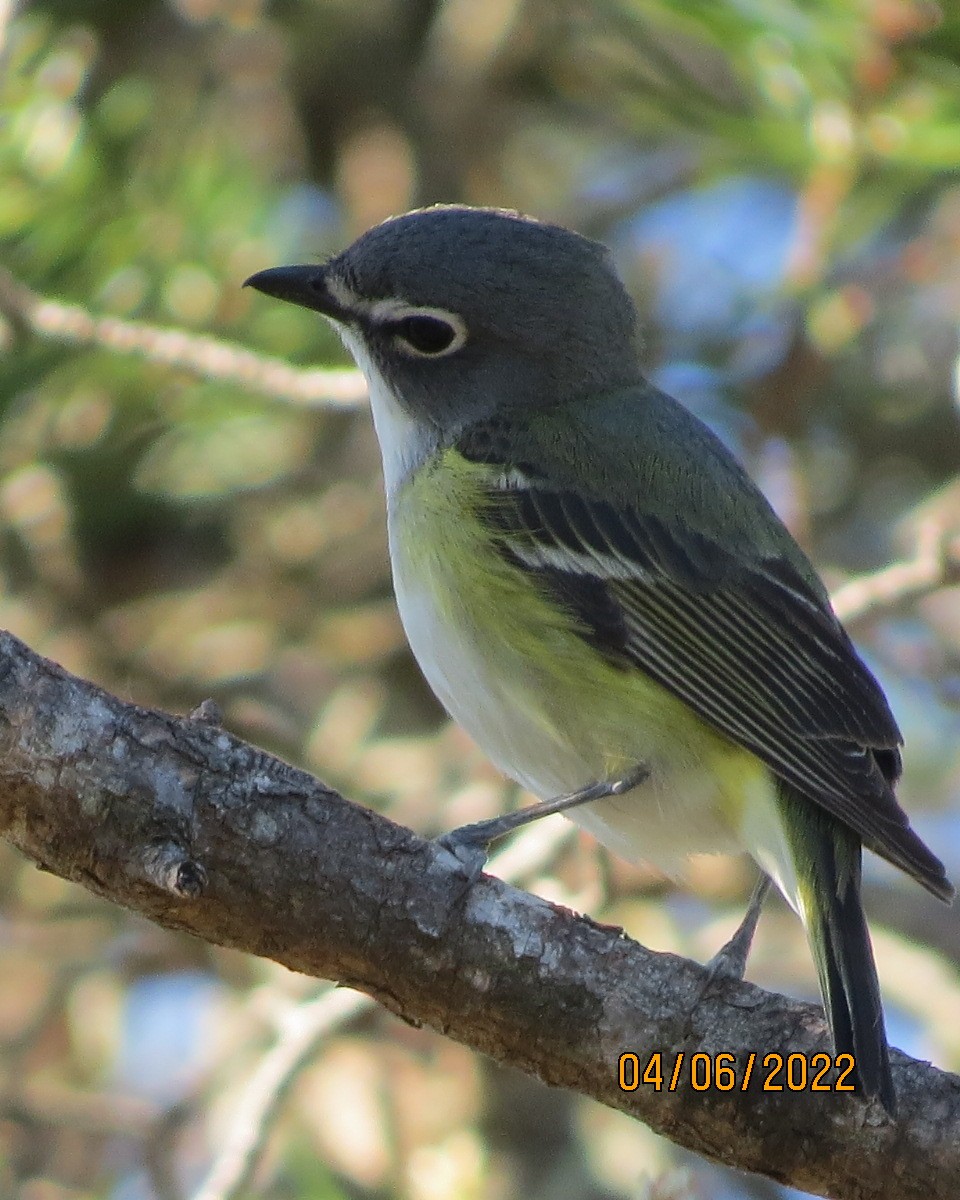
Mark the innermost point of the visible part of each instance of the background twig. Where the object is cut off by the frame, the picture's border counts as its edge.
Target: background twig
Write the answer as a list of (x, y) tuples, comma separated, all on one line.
[(207, 357)]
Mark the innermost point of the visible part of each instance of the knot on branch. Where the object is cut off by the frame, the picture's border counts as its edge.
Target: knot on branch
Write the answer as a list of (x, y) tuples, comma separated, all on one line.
[(168, 866)]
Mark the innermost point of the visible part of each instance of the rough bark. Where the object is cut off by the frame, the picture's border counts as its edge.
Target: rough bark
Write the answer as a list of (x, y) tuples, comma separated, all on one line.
[(179, 820)]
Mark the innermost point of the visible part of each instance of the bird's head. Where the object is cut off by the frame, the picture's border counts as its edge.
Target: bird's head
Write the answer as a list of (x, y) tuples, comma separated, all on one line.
[(461, 312)]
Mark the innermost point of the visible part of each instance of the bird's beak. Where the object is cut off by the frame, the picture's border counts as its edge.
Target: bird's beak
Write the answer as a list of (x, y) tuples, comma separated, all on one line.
[(306, 286)]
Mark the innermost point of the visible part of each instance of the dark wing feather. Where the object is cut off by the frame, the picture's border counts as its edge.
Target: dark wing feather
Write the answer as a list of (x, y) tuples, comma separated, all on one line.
[(749, 646)]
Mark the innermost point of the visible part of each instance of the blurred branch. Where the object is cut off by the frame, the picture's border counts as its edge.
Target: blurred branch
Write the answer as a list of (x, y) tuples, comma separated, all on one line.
[(306, 1025), (180, 821), (935, 564), (6, 12), (303, 1028), (88, 1112), (206, 357)]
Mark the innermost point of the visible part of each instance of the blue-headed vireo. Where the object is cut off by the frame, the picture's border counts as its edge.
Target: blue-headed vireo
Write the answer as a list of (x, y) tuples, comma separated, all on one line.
[(598, 593)]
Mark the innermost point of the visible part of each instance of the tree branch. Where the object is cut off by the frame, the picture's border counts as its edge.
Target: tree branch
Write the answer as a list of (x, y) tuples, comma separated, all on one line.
[(179, 820), (935, 564), (304, 1028), (207, 357)]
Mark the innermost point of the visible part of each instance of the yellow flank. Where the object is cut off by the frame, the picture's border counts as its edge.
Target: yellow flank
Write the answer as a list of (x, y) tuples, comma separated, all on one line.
[(509, 666)]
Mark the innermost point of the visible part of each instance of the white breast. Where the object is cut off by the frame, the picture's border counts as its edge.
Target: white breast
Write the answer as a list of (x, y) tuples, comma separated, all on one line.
[(404, 442), (677, 813)]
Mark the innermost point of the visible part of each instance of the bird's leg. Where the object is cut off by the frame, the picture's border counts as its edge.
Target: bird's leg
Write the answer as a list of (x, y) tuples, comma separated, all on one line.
[(730, 961), (470, 844)]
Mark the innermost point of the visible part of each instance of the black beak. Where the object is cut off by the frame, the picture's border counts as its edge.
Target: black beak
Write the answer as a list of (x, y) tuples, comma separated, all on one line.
[(304, 285)]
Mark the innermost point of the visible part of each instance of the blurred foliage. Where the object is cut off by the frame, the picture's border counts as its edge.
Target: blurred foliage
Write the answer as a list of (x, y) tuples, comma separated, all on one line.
[(780, 182)]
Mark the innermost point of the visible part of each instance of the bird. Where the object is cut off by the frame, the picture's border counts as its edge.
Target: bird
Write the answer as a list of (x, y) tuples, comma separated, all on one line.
[(599, 594)]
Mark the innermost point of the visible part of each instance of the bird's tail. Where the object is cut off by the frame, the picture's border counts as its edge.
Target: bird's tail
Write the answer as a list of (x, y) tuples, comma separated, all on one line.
[(827, 857)]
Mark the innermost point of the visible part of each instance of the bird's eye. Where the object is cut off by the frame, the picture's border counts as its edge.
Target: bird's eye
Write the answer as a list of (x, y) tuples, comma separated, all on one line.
[(425, 335)]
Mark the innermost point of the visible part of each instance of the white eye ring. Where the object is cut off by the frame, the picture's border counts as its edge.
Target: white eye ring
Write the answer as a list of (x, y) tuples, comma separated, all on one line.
[(419, 331)]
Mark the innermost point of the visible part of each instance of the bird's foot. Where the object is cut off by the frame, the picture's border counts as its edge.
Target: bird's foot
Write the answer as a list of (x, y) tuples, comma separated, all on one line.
[(730, 961), (470, 844)]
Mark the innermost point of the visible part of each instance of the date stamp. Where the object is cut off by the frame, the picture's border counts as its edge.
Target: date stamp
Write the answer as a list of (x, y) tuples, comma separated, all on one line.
[(724, 1072)]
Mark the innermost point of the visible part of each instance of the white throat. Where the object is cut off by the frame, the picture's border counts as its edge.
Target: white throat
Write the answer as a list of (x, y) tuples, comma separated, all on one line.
[(405, 443)]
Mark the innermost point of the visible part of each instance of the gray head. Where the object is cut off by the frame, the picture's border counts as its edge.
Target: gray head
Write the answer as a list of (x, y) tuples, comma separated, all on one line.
[(465, 310)]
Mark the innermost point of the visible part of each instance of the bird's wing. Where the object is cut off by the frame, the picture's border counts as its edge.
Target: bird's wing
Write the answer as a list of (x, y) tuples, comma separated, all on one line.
[(750, 647)]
